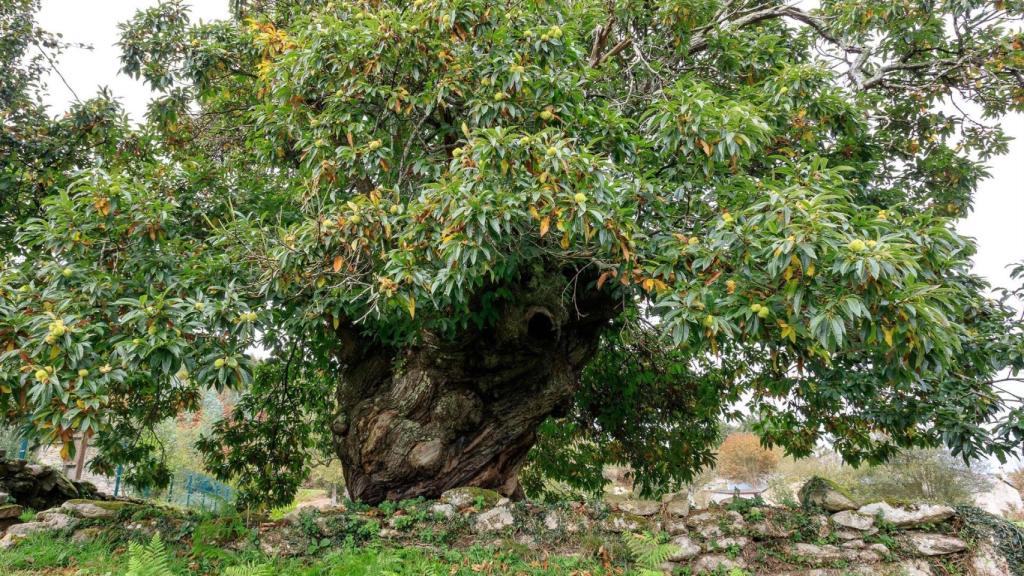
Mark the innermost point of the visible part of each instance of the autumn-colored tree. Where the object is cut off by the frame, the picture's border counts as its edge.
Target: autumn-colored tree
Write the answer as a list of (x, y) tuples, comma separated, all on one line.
[(742, 457)]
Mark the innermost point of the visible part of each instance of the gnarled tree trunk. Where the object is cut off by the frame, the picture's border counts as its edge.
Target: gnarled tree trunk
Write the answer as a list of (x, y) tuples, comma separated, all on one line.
[(445, 414)]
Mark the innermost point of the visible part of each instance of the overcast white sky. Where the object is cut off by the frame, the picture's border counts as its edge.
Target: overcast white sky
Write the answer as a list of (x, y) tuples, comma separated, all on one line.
[(997, 222)]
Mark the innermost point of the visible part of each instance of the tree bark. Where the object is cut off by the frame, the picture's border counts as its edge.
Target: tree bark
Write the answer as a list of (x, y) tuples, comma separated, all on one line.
[(464, 412)]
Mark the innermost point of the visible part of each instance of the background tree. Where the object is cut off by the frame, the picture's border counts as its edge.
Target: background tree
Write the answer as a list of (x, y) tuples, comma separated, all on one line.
[(742, 457), (1017, 479), (922, 475), (456, 208)]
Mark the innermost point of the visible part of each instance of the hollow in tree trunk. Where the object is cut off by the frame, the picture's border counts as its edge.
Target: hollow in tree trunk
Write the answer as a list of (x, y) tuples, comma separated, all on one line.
[(445, 414)]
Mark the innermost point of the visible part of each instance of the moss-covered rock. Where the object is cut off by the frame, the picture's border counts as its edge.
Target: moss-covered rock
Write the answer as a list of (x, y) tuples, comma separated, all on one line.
[(8, 511), (908, 516), (95, 509), (823, 493), (470, 496), (493, 520), (625, 522), (640, 507), (113, 505)]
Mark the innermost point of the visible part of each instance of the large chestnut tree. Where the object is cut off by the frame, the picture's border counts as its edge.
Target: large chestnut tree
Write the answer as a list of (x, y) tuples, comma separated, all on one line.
[(469, 234)]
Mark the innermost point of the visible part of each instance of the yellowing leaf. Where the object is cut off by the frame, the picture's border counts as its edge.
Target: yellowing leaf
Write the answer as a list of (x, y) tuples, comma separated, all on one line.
[(411, 305), (545, 224), (102, 206), (337, 264), (465, 129), (626, 255), (888, 335), (788, 331)]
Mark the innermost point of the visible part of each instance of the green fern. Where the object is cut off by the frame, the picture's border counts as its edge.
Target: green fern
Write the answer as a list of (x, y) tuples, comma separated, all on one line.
[(387, 565), (250, 570), (148, 560), (648, 553)]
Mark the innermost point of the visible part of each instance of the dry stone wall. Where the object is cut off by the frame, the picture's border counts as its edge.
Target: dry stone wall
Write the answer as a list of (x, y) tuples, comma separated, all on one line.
[(24, 485), (877, 539), (742, 538)]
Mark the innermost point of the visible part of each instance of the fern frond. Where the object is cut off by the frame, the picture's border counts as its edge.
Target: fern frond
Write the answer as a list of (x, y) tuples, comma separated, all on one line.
[(646, 551), (388, 565), (148, 560), (250, 570)]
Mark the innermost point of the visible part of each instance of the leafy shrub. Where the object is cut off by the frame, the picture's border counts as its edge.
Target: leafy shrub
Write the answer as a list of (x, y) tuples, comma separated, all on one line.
[(744, 505), (922, 475), (153, 559), (919, 475), (214, 532), (780, 492), (742, 457), (10, 441), (1017, 479)]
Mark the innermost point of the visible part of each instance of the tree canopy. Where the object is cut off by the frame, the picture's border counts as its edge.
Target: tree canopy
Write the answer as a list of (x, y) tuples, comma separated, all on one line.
[(39, 154), (751, 202)]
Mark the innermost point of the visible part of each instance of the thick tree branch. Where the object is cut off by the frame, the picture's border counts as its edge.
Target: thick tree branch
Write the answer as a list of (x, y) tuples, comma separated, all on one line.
[(622, 45), (601, 39), (601, 36), (699, 41), (937, 67)]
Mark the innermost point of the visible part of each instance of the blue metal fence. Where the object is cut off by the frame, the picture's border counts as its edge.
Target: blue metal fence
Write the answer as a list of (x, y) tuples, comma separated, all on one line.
[(187, 488)]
